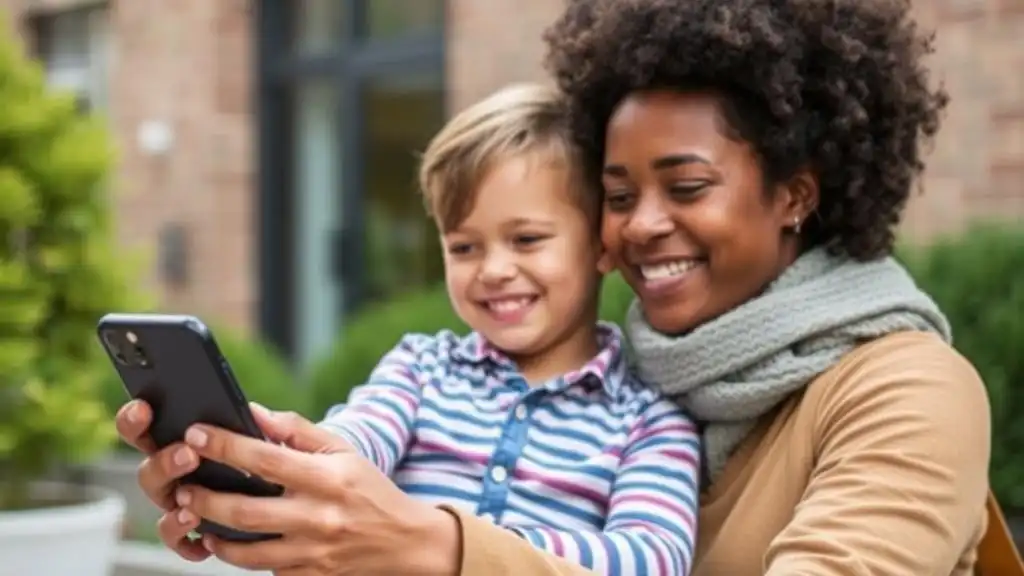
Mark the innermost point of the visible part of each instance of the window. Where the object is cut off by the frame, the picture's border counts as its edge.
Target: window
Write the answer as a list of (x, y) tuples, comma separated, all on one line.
[(350, 92), (402, 113), (385, 19), (315, 25), (74, 47), (316, 174)]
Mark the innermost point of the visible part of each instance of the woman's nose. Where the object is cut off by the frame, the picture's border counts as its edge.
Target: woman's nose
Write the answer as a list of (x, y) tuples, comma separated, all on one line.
[(649, 220)]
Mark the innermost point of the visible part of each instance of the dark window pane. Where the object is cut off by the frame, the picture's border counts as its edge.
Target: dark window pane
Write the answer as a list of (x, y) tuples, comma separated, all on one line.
[(391, 18), (403, 113), (316, 25)]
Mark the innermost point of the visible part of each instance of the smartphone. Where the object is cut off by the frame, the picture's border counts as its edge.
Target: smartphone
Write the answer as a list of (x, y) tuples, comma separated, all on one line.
[(174, 364)]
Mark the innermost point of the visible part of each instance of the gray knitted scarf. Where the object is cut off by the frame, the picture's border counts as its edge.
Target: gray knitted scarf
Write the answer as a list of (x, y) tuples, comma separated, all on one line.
[(734, 369)]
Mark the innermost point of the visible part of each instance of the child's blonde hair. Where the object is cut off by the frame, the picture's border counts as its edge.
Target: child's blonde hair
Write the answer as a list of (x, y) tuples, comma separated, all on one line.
[(517, 120)]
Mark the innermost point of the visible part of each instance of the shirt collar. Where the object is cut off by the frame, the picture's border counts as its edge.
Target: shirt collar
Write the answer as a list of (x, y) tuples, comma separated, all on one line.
[(606, 369)]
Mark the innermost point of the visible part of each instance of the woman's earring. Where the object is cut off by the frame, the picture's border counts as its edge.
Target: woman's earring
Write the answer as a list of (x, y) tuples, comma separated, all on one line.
[(796, 225)]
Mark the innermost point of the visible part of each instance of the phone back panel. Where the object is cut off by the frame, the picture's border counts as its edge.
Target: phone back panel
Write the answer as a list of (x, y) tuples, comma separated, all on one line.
[(187, 382)]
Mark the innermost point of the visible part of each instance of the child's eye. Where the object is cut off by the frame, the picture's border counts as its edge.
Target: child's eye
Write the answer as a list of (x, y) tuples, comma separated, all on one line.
[(528, 239), (459, 249)]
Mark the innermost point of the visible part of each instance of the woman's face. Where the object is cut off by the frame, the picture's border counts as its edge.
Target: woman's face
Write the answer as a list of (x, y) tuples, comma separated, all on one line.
[(687, 217)]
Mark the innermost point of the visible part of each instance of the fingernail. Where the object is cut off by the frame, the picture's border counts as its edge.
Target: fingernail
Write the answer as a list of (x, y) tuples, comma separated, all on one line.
[(183, 457), (196, 437), (263, 410), (132, 413), (185, 517), (208, 543), (183, 497)]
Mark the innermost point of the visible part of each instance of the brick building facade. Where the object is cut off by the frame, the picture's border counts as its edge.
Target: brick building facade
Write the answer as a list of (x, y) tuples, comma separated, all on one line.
[(187, 96)]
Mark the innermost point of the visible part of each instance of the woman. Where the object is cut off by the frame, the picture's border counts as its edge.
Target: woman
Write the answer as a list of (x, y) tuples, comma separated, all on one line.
[(755, 156)]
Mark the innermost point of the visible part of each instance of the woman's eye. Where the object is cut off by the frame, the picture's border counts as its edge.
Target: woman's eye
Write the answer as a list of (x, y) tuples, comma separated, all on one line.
[(617, 201), (687, 189)]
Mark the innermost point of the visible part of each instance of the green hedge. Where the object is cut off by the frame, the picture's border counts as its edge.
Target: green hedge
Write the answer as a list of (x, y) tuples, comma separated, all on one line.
[(977, 278)]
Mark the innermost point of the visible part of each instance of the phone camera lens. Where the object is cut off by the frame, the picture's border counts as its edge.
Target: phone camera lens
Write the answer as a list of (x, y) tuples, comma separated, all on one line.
[(110, 340)]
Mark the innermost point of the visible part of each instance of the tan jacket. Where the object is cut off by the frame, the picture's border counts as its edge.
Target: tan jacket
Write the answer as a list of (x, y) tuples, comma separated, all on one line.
[(879, 467)]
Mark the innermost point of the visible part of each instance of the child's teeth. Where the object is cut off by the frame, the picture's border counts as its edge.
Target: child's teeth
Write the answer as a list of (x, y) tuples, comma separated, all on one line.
[(509, 305), (667, 269)]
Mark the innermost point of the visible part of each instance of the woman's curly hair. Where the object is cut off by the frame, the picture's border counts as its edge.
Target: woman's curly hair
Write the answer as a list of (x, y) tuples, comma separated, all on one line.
[(838, 86)]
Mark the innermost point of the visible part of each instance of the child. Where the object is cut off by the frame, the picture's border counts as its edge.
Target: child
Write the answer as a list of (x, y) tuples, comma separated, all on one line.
[(531, 421)]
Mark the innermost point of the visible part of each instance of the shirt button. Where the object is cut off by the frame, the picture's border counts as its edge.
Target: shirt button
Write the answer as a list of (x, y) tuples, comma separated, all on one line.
[(521, 412), (499, 474)]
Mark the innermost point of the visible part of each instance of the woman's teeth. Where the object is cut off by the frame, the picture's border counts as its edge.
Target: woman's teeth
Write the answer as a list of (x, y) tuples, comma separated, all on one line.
[(667, 269)]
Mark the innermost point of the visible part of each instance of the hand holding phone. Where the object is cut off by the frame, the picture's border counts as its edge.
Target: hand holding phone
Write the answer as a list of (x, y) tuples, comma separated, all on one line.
[(173, 363)]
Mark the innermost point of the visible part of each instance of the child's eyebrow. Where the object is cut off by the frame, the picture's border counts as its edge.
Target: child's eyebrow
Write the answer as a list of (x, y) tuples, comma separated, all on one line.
[(519, 222)]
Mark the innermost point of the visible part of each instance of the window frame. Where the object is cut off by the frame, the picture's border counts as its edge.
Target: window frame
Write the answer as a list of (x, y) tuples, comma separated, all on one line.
[(353, 63)]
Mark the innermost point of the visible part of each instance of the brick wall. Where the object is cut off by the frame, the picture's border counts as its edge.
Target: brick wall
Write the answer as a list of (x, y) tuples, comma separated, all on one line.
[(188, 67), (977, 166)]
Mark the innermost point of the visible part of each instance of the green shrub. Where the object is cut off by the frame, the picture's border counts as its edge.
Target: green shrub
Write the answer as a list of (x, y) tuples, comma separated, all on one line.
[(263, 373), (60, 271), (616, 297), (370, 334), (977, 279)]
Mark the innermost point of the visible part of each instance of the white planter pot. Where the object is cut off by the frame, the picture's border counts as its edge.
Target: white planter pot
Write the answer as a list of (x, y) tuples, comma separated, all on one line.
[(118, 472), (76, 539)]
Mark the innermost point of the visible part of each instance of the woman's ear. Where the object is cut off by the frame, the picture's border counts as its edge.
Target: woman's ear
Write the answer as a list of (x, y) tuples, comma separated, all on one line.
[(799, 198)]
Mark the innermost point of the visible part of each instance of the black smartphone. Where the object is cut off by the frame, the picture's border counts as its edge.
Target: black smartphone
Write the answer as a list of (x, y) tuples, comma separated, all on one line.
[(174, 364)]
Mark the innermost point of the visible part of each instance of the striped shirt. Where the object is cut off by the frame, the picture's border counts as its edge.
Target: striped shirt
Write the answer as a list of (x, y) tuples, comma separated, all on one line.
[(592, 466)]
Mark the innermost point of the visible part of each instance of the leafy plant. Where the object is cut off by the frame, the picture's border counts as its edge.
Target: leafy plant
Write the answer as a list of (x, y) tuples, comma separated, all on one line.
[(370, 334), (59, 272), (977, 279)]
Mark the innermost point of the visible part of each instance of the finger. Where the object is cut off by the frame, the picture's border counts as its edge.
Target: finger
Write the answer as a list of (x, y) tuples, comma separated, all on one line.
[(159, 473), (173, 528), (297, 432), (271, 515), (281, 555), (132, 423), (297, 471)]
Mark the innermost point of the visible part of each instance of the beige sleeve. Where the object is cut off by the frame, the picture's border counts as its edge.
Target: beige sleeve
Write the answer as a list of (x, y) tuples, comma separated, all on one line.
[(489, 550), (901, 476)]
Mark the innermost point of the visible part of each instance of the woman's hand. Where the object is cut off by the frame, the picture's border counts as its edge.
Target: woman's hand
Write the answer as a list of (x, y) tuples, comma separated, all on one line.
[(340, 515), (158, 476)]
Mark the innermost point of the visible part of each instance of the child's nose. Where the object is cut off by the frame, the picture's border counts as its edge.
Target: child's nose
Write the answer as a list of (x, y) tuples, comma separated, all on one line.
[(497, 268)]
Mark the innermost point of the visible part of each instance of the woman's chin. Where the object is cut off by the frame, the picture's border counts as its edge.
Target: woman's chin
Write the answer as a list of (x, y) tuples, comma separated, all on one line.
[(670, 320)]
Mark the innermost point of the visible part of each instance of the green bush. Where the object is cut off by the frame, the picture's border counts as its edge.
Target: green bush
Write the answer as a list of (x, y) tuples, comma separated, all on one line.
[(977, 279), (60, 271), (369, 334), (616, 297), (262, 372)]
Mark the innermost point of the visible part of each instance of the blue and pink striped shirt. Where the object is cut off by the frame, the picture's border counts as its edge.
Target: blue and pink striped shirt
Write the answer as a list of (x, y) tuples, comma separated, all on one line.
[(592, 466)]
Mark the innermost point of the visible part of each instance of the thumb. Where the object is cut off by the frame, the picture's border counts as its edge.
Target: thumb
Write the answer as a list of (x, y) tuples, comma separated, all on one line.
[(296, 432)]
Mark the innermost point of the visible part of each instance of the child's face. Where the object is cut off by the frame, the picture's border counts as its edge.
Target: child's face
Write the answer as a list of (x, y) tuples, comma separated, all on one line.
[(522, 267)]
